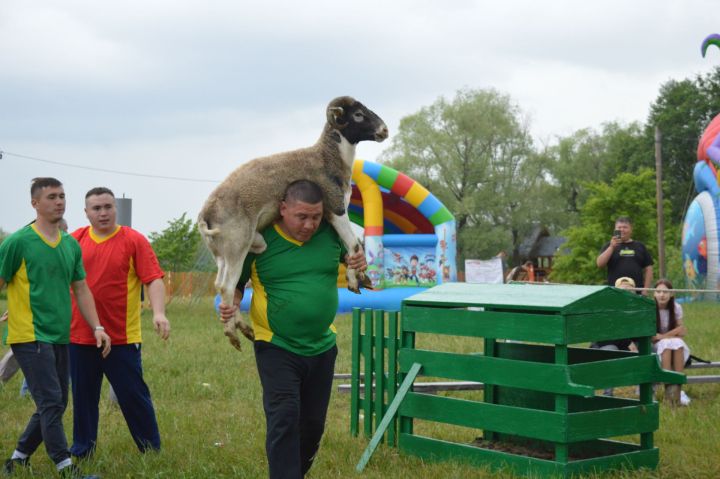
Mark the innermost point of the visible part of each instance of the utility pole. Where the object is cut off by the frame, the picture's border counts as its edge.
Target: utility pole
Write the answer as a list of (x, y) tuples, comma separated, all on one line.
[(659, 200)]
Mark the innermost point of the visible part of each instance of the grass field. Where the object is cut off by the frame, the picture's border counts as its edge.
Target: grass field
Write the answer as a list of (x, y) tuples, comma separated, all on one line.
[(208, 401)]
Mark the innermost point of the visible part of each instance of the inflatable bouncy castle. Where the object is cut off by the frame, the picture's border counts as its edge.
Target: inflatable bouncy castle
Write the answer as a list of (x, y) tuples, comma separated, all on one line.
[(700, 227)]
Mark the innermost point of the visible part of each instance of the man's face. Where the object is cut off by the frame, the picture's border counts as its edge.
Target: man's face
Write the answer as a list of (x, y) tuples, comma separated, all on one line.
[(625, 230), (100, 211), (300, 220), (50, 203)]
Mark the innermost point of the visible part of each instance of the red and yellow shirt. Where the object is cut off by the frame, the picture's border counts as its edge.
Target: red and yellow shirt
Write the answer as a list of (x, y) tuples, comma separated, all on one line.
[(117, 266)]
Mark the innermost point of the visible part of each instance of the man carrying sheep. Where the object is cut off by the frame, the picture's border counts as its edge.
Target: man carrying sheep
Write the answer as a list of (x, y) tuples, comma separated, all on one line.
[(292, 311)]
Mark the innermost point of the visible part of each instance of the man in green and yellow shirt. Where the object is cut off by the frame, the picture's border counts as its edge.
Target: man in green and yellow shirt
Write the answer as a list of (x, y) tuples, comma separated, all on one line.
[(40, 264), (293, 306)]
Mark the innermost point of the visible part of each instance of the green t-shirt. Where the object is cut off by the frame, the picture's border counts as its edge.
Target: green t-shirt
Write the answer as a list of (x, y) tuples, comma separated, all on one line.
[(295, 296), (38, 274)]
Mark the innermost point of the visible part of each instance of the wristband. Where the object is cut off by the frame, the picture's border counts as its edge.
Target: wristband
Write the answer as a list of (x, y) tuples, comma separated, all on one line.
[(99, 328)]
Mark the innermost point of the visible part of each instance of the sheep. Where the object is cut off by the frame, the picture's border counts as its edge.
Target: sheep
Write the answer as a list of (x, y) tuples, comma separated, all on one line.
[(249, 198)]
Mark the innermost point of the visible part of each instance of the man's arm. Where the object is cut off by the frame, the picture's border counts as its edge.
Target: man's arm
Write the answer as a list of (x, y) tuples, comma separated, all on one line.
[(156, 293), (86, 304), (604, 257), (227, 311), (356, 261)]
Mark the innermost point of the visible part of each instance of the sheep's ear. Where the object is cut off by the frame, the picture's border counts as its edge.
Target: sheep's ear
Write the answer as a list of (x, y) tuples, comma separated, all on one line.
[(335, 113)]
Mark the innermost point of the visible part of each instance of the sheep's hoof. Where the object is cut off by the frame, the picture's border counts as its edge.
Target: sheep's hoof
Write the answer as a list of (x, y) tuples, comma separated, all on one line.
[(234, 340), (247, 331), (365, 281)]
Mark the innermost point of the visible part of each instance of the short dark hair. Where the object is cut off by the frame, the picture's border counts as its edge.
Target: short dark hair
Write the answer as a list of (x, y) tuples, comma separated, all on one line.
[(624, 219), (99, 190), (305, 191), (39, 183)]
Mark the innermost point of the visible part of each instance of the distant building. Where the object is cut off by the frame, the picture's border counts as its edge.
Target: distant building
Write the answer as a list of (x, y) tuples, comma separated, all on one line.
[(540, 248)]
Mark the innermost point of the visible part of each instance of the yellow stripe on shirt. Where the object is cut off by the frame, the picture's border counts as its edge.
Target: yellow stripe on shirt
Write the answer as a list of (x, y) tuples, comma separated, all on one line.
[(132, 324), (20, 322), (258, 308)]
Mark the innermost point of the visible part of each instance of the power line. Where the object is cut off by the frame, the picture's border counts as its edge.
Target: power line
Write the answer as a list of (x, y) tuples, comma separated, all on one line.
[(105, 170)]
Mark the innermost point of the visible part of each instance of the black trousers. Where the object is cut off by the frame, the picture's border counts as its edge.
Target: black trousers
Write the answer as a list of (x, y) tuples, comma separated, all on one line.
[(296, 394), (45, 367)]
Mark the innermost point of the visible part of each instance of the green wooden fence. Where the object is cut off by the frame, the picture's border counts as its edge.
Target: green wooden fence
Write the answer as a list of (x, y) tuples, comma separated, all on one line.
[(539, 414)]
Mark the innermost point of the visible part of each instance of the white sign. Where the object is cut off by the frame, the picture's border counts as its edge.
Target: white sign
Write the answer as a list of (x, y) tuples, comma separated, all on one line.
[(484, 270)]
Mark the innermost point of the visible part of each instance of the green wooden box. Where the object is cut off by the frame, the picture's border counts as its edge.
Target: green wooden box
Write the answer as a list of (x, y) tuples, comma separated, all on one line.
[(540, 415)]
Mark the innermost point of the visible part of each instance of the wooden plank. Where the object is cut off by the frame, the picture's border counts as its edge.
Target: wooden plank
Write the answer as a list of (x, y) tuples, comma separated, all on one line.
[(387, 419), (623, 372), (368, 390), (561, 405), (606, 325), (533, 423), (529, 297), (437, 450), (545, 328), (583, 426), (393, 344), (379, 363), (503, 372), (355, 374)]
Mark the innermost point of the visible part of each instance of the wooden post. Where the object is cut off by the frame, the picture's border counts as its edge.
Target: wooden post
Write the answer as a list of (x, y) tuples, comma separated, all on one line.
[(659, 200)]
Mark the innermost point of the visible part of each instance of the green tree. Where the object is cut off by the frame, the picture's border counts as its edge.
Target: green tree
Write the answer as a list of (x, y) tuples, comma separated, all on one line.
[(591, 156), (682, 111), (177, 245), (629, 194), (475, 154)]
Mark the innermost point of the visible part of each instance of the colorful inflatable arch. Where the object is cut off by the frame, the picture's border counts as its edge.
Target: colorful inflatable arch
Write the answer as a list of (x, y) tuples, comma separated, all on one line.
[(701, 259)]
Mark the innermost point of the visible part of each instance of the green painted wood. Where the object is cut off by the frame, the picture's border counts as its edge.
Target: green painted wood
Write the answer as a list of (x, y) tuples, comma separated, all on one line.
[(437, 450), (379, 363), (387, 419), (523, 374), (646, 392), (393, 345), (606, 325), (355, 374), (368, 370), (584, 426), (623, 372), (407, 341), (566, 299), (537, 424), (561, 404), (544, 328), (490, 390)]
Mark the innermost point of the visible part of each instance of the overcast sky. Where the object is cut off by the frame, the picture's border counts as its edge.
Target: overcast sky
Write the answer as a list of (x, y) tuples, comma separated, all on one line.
[(193, 89)]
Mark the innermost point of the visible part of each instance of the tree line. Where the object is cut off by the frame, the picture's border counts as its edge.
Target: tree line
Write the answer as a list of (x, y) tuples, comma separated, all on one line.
[(475, 153)]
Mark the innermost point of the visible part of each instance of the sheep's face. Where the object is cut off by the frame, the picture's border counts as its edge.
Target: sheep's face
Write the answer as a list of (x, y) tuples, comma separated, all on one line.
[(355, 121)]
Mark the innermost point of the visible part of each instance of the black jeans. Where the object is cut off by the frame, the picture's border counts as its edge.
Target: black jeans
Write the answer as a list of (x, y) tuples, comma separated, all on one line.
[(296, 394), (45, 367)]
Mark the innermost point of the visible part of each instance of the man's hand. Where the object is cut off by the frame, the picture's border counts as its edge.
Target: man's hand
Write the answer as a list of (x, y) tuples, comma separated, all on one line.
[(4, 317), (227, 311), (615, 241), (162, 326), (356, 261), (102, 340)]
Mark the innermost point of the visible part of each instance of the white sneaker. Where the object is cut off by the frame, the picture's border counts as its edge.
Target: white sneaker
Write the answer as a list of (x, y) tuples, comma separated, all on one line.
[(684, 399)]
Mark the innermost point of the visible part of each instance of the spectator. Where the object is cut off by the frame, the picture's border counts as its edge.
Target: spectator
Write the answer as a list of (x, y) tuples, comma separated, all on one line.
[(118, 261), (668, 343), (624, 256), (40, 263), (293, 307)]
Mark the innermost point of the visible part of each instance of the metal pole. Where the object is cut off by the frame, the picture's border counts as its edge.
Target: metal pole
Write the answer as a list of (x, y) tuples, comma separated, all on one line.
[(659, 200)]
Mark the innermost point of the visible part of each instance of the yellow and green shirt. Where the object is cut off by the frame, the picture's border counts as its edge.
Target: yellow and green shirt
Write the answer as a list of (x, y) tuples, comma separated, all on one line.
[(38, 274), (295, 296)]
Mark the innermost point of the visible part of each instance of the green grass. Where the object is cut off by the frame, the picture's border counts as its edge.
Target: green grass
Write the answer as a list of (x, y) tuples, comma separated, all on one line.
[(208, 401)]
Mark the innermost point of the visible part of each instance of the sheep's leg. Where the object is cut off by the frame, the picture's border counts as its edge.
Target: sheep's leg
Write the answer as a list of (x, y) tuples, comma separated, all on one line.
[(234, 254), (352, 244), (258, 245)]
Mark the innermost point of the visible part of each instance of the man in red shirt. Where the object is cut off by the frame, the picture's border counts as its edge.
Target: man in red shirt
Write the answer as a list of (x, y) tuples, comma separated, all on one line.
[(118, 261)]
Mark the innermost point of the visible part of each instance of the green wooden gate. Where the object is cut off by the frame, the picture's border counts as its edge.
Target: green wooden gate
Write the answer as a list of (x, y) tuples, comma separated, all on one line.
[(540, 414)]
